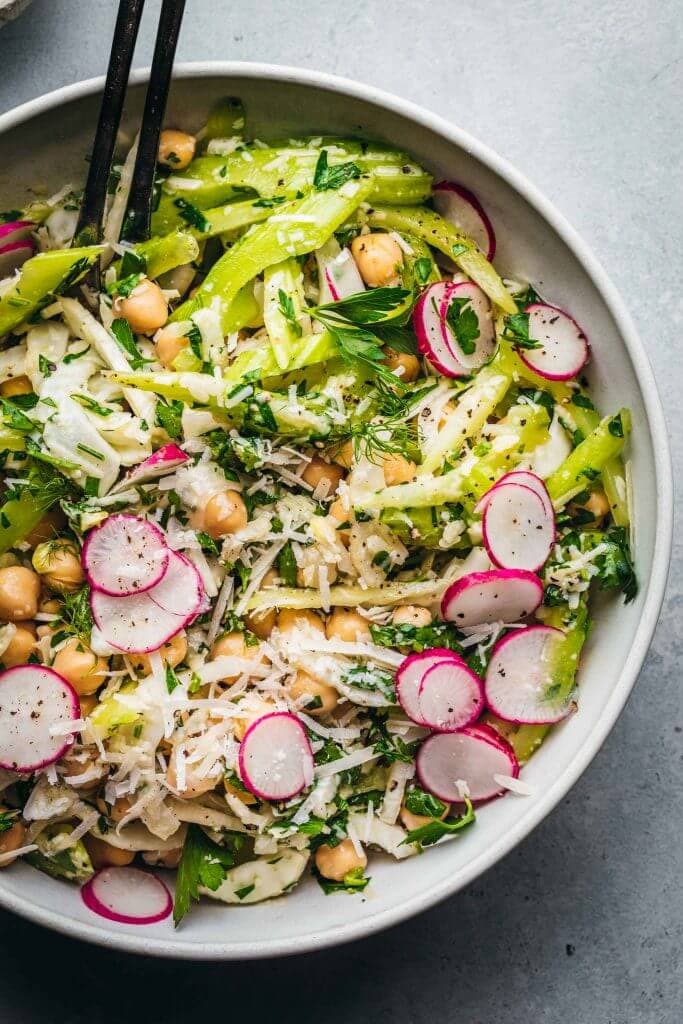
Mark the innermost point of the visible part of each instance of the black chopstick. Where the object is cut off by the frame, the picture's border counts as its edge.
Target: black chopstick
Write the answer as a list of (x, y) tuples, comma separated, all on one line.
[(138, 221), (91, 216)]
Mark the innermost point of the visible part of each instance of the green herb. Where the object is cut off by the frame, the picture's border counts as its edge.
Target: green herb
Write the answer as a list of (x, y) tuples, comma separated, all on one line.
[(29, 401), (124, 285), (458, 249), (516, 330), (14, 417), (76, 613), (371, 677), (286, 307), (203, 863), (422, 269), (120, 328), (527, 298), (286, 566), (132, 263), (391, 747), (194, 336), (590, 473), (45, 366), (416, 638), (242, 894), (92, 405), (355, 881), (36, 452), (191, 214), (582, 401), (208, 544), (92, 452), (382, 560), (615, 568), (424, 804), (9, 215), (171, 679), (615, 426), (363, 308), (195, 683), (169, 417), (268, 203), (8, 820), (326, 177), (429, 834), (463, 322)]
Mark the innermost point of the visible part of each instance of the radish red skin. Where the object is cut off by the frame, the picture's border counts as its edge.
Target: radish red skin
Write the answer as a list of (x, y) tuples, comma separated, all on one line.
[(477, 732), (494, 704), (447, 361), (146, 608), (126, 521), (527, 355), (473, 201), (90, 897), (475, 699), (164, 460), (71, 705), (13, 255), (307, 762), (16, 231), (487, 330), (420, 662), (486, 530), (475, 579), (527, 479)]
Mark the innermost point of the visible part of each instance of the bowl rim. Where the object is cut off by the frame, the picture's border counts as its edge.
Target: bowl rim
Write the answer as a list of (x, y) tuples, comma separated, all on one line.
[(177, 947)]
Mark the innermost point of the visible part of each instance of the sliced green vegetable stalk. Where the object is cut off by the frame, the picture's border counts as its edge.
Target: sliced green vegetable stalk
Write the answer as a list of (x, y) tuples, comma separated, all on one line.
[(283, 309), (524, 739), (526, 426), (613, 475), (12, 440), (423, 526), (468, 419), (226, 119), (74, 863), (589, 458), (167, 252), (39, 278), (18, 516), (347, 596), (306, 225), (441, 235)]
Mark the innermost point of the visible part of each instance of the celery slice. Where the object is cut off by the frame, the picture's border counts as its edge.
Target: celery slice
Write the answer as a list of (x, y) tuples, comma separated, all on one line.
[(282, 285), (168, 251), (347, 596), (589, 458), (40, 277)]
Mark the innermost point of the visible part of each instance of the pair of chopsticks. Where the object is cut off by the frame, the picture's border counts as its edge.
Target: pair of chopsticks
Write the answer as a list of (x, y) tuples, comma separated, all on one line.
[(91, 216)]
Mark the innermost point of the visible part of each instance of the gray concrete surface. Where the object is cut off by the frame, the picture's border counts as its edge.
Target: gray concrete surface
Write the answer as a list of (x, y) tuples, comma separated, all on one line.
[(583, 923)]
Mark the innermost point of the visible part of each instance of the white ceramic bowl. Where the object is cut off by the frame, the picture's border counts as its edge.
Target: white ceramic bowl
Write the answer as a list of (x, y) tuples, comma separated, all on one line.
[(44, 143)]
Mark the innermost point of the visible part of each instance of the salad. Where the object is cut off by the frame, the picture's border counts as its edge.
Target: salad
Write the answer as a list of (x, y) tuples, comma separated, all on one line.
[(304, 508)]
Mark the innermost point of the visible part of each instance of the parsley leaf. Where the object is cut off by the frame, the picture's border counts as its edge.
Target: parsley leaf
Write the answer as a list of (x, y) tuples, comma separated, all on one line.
[(326, 177), (121, 330), (191, 214), (354, 881), (367, 307), (202, 863), (516, 330), (427, 835), (424, 804), (463, 322), (286, 307), (416, 638), (171, 679), (286, 566), (169, 417)]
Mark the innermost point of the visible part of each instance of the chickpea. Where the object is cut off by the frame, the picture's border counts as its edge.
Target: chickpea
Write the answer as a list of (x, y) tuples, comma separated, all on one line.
[(246, 798), (168, 345), (59, 565), (397, 470), (48, 528), (318, 471), (335, 862), (19, 593), (145, 309), (15, 386), (53, 606), (72, 765), (263, 623), (411, 615), (234, 645), (118, 810), (379, 259), (412, 821), (20, 646), (88, 704), (597, 504), (340, 512), (172, 653), (104, 855), (80, 667), (12, 839), (345, 455), (299, 618), (403, 364), (347, 625), (225, 513), (163, 858), (256, 711), (322, 694), (194, 786), (176, 149)]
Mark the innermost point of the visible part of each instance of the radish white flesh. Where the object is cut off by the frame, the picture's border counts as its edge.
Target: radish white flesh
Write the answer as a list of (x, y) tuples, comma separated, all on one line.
[(35, 705), (125, 555), (518, 531), (472, 756), (469, 299), (127, 895), (343, 277), (499, 595), (450, 697), (522, 676), (160, 463), (181, 590), (134, 624), (275, 757), (564, 348), (16, 231), (463, 210), (12, 256), (411, 673), (520, 476), (432, 342)]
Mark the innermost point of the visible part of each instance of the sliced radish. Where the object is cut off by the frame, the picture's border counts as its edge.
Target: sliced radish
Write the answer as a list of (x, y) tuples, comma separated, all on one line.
[(36, 706), (521, 678), (411, 673), (473, 757), (518, 531), (520, 476), (127, 896), (135, 624), (163, 461), (12, 256), (181, 590), (564, 347), (275, 757), (343, 277), (432, 342), (464, 211), (16, 231), (499, 595), (475, 301), (125, 555), (450, 697)]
